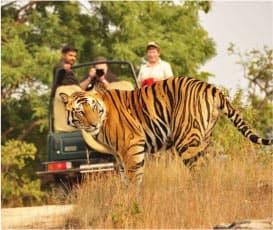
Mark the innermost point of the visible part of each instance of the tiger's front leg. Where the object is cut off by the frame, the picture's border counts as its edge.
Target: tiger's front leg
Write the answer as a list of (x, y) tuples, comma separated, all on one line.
[(133, 160), (121, 170)]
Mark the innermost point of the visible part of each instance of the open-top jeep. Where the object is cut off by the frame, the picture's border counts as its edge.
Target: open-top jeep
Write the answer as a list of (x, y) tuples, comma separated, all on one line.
[(68, 154)]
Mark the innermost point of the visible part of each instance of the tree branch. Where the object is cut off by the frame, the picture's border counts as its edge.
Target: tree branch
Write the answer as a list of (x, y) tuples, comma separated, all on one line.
[(5, 133), (6, 4), (29, 130), (25, 8), (263, 103)]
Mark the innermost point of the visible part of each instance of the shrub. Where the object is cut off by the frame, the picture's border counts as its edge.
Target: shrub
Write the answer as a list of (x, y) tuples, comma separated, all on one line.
[(19, 184)]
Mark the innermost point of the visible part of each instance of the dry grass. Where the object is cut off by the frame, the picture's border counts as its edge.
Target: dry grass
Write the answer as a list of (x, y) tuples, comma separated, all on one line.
[(224, 190)]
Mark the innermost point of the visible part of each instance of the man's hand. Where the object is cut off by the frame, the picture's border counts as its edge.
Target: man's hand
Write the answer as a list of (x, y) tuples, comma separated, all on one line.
[(92, 73), (67, 67)]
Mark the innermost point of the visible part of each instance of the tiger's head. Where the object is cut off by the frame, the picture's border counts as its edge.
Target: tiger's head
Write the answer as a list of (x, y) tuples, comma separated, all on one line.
[(84, 111)]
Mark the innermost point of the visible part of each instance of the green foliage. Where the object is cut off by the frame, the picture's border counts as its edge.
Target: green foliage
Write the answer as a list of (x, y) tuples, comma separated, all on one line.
[(228, 140), (19, 185), (258, 70), (263, 115)]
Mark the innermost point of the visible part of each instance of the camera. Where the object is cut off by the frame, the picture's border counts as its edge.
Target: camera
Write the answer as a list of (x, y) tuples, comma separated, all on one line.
[(99, 72)]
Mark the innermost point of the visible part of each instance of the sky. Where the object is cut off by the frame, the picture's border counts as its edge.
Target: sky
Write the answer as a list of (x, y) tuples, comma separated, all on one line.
[(247, 24)]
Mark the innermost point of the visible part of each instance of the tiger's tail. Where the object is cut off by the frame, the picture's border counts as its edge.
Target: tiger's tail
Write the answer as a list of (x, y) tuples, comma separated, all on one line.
[(239, 123)]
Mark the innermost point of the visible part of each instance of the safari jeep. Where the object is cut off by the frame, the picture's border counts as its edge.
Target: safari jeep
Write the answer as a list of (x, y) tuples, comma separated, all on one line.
[(68, 155)]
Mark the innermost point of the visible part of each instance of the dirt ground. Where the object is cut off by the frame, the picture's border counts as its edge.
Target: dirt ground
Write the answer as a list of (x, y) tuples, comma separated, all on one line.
[(52, 217), (42, 217)]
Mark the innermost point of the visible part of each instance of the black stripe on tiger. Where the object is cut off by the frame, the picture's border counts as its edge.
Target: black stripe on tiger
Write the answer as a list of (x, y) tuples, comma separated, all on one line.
[(241, 125)]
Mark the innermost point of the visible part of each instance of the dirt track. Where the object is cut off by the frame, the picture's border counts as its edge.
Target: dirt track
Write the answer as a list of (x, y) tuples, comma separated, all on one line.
[(53, 216), (42, 217)]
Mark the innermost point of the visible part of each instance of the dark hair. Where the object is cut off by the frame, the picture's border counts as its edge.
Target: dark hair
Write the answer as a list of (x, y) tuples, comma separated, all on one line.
[(68, 48)]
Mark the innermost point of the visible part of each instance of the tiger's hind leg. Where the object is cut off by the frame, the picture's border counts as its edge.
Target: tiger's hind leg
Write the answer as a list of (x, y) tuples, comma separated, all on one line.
[(191, 154), (195, 161)]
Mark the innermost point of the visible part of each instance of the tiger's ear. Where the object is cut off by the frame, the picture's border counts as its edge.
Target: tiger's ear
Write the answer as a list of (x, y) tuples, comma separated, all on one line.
[(64, 97)]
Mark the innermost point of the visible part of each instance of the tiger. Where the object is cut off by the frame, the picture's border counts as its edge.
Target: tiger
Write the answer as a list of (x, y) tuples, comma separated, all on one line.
[(178, 113)]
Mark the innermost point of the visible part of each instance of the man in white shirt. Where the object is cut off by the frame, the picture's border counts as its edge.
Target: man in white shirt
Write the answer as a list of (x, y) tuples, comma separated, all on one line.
[(155, 69)]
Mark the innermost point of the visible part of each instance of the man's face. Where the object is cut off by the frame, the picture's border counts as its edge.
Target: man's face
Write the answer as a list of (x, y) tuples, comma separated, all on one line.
[(69, 57), (153, 54)]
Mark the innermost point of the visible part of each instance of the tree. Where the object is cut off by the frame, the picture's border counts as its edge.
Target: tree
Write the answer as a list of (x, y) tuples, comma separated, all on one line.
[(127, 27), (31, 38), (258, 70)]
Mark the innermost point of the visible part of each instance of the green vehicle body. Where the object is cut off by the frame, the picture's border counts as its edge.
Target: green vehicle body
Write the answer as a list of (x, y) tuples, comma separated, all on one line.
[(68, 156)]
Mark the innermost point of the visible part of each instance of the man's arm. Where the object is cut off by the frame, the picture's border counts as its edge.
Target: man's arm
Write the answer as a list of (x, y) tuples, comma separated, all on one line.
[(168, 70), (58, 75), (85, 83), (60, 71), (140, 75)]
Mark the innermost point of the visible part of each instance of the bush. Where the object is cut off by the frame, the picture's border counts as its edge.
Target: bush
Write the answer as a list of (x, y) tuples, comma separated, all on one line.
[(19, 185)]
